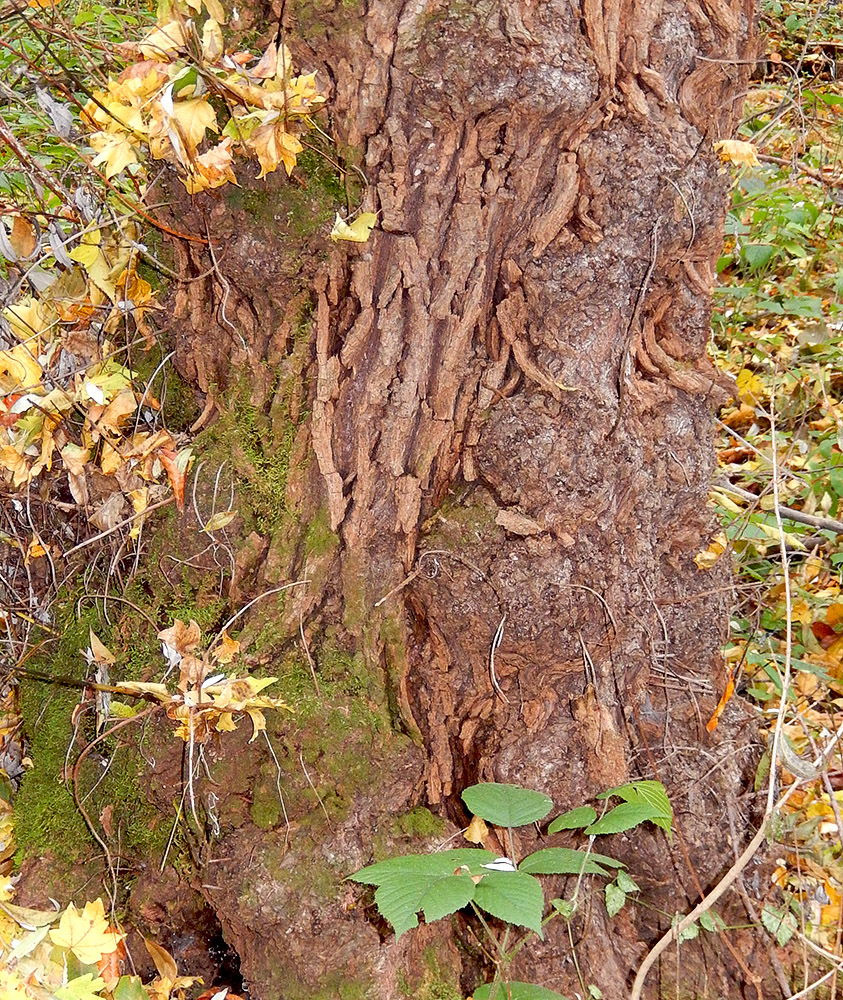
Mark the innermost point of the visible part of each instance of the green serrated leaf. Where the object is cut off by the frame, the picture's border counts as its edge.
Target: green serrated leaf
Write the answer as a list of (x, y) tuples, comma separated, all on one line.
[(645, 801), (615, 899), (447, 895), (622, 817), (512, 896), (689, 933), (573, 819), (627, 883), (515, 991), (425, 865), (437, 884), (757, 255), (81, 988), (712, 922), (780, 923), (561, 861), (566, 908), (130, 988), (506, 805)]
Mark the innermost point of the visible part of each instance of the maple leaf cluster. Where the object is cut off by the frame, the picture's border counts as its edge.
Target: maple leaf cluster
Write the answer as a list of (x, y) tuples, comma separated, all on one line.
[(162, 102), (36, 945), (64, 395), (206, 700)]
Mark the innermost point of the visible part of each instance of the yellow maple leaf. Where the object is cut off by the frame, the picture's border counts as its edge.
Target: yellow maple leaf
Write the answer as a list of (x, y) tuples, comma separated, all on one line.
[(212, 43), (736, 151), (12, 987), (35, 550), (140, 499), (16, 464), (114, 152), (88, 250), (86, 934), (123, 117), (19, 369), (304, 87), (120, 407), (477, 831), (707, 558), (225, 723), (26, 317), (750, 387), (357, 232), (193, 118), (212, 169), (180, 637), (227, 649), (138, 81), (110, 459), (164, 40), (273, 144), (258, 722)]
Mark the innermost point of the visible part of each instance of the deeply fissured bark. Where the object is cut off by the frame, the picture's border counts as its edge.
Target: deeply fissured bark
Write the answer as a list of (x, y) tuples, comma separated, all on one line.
[(509, 408)]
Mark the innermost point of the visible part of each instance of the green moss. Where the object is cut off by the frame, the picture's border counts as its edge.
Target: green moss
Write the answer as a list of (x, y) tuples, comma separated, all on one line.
[(47, 818), (312, 878), (297, 211), (335, 743), (418, 822), (461, 518), (312, 16), (332, 986), (179, 404), (436, 982), (256, 443), (319, 538), (392, 636), (266, 809)]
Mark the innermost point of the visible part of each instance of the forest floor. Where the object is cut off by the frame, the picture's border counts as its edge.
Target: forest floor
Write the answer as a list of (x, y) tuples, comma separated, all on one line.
[(777, 328)]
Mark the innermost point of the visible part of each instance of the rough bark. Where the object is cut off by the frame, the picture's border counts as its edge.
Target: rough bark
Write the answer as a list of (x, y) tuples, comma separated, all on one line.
[(509, 404)]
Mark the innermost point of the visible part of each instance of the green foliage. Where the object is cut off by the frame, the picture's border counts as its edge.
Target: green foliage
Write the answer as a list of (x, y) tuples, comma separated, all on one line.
[(515, 991), (440, 884), (573, 819), (617, 891), (644, 801), (780, 923), (515, 897), (506, 805), (566, 861)]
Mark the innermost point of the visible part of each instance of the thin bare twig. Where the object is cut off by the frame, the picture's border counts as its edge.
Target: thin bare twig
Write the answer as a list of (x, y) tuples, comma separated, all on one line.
[(117, 527)]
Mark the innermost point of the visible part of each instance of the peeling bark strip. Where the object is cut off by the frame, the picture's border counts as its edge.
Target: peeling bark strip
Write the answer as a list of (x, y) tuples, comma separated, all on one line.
[(511, 373)]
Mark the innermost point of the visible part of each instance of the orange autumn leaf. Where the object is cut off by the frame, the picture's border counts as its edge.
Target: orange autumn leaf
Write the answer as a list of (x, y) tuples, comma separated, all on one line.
[(227, 649), (109, 966), (182, 638), (176, 473), (711, 725)]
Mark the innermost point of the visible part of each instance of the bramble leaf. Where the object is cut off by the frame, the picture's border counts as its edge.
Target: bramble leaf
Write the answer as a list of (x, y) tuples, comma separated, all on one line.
[(506, 805)]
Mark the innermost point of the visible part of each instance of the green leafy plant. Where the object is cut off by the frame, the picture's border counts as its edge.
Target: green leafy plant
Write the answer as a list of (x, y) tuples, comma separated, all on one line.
[(438, 885)]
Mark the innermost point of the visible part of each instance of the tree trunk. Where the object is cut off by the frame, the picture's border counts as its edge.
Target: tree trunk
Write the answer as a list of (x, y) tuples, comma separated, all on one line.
[(508, 401)]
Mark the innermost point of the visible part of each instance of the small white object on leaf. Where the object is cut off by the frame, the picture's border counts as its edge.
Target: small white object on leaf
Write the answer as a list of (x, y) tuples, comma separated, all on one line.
[(357, 232), (171, 655), (500, 865)]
